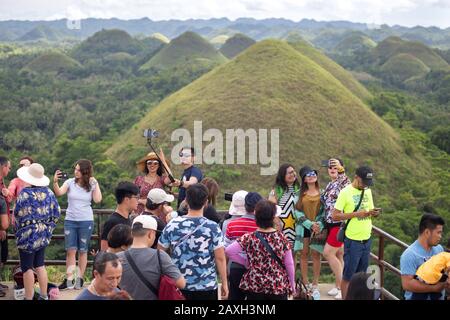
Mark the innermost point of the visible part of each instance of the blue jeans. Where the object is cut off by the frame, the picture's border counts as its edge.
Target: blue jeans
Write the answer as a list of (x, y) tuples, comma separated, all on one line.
[(356, 257), (78, 235)]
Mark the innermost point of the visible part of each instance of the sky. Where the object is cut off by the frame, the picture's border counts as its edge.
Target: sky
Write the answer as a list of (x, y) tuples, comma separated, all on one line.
[(392, 12)]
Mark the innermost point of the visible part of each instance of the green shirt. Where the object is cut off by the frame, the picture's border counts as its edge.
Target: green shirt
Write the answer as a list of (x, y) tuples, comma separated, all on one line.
[(357, 228)]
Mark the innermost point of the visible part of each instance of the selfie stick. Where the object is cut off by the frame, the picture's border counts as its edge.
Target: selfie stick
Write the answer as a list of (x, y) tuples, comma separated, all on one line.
[(149, 141)]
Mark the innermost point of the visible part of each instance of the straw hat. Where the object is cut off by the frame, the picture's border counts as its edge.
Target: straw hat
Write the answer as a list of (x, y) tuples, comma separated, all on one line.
[(34, 175), (142, 162)]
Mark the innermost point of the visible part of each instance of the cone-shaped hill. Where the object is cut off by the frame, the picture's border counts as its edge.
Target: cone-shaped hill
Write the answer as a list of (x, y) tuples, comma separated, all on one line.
[(355, 42), (41, 32), (235, 45), (51, 62), (332, 67), (188, 48), (273, 86), (106, 42)]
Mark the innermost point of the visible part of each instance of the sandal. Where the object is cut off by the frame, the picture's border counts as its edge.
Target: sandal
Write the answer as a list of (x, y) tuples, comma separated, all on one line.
[(3, 286)]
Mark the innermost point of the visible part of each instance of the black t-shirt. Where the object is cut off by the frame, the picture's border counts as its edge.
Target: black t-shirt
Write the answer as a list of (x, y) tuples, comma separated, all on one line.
[(160, 226), (187, 174), (113, 220)]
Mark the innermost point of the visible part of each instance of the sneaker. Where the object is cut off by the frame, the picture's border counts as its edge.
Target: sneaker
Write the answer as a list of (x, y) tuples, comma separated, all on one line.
[(78, 283), (66, 284), (333, 292), (338, 296)]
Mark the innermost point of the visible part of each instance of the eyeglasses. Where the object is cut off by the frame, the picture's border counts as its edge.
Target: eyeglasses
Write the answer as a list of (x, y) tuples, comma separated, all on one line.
[(152, 162), (136, 197), (184, 155), (291, 172), (311, 174), (332, 168)]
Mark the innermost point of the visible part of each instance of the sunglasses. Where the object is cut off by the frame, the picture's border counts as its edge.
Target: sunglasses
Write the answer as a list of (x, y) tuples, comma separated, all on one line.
[(185, 155), (311, 174), (153, 162)]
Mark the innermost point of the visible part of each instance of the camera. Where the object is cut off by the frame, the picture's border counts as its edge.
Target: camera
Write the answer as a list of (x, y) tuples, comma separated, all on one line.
[(228, 196), (151, 133), (324, 163)]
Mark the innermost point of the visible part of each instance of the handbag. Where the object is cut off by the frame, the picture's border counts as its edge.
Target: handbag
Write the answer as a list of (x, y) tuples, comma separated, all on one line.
[(340, 236), (319, 238), (302, 292), (167, 288)]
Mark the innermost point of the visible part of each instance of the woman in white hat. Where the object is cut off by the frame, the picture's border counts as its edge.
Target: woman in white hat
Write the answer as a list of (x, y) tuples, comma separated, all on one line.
[(154, 177), (36, 213)]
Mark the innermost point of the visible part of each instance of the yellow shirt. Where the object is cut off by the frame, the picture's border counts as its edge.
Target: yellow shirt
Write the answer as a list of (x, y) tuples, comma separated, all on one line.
[(348, 199), (431, 270)]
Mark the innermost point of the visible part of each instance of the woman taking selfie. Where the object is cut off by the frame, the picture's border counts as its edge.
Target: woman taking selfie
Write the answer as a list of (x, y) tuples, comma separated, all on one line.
[(79, 221), (155, 177)]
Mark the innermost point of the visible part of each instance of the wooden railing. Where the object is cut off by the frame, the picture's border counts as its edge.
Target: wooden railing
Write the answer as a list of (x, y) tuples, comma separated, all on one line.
[(377, 232)]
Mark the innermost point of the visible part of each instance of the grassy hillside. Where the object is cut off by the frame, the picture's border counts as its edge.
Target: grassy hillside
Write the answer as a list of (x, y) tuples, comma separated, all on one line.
[(332, 67), (219, 40), (105, 42), (41, 33), (52, 62), (356, 41), (404, 66), (272, 85), (189, 47), (160, 37), (235, 45), (395, 45)]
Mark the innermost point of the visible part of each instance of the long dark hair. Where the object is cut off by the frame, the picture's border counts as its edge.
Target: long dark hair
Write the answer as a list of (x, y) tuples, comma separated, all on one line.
[(159, 172), (86, 171), (213, 189), (303, 189), (280, 180)]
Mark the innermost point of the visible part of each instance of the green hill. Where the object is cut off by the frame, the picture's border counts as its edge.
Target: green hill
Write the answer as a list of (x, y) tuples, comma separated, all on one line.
[(354, 42), (235, 45), (186, 49), (41, 32), (105, 42), (332, 67), (273, 86), (403, 66), (395, 45), (52, 62)]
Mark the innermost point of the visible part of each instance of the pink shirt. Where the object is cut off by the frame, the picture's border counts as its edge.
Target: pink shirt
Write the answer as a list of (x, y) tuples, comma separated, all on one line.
[(15, 186)]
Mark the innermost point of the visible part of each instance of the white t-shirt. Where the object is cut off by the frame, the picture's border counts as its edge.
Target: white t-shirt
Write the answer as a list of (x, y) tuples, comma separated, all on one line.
[(79, 202)]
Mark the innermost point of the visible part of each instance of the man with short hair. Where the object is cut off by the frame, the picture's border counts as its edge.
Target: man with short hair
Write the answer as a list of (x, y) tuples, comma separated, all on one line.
[(426, 246), (147, 260), (197, 248), (5, 168), (191, 174), (236, 229), (127, 196), (107, 271), (358, 233), (157, 206)]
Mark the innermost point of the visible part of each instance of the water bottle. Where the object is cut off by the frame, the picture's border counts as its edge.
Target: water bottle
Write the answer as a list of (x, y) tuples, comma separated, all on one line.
[(316, 294)]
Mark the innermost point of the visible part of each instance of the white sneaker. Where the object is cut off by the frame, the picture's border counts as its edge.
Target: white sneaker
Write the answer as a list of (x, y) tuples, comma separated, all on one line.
[(333, 292), (315, 293), (338, 296)]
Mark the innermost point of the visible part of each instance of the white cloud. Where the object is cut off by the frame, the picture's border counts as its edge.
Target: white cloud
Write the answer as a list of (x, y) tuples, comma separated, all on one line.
[(403, 12)]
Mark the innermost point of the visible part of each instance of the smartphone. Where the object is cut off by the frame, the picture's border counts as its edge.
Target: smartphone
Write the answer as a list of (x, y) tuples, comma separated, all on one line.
[(63, 176), (228, 196), (324, 163)]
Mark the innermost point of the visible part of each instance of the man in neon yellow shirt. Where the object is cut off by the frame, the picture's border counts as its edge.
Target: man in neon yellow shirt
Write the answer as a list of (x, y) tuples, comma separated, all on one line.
[(359, 225)]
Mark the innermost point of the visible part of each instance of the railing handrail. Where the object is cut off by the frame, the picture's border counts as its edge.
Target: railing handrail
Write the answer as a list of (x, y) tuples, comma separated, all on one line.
[(379, 259)]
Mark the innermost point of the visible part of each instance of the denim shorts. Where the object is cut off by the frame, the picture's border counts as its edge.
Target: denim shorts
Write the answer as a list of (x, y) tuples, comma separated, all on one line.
[(29, 260), (356, 257), (78, 235)]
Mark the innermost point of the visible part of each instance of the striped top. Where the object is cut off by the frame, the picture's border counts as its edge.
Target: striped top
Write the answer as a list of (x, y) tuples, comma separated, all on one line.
[(241, 226), (287, 204)]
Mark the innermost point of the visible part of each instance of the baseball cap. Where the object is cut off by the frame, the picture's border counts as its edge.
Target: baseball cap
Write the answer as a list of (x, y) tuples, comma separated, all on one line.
[(366, 174), (157, 196), (147, 221)]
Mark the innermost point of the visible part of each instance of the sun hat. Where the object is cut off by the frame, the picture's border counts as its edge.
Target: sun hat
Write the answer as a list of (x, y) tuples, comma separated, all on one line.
[(34, 175), (141, 164), (237, 206)]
